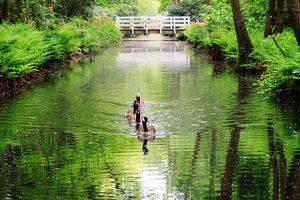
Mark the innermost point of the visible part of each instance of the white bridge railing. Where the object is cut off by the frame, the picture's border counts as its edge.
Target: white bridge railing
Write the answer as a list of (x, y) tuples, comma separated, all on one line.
[(152, 23)]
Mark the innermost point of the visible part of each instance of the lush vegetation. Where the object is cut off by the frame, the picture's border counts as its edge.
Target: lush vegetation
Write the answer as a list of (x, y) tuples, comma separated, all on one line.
[(32, 36), (118, 7), (24, 49), (278, 50)]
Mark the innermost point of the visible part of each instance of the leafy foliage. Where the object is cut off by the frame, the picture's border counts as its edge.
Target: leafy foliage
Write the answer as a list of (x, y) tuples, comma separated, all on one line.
[(118, 7), (163, 5), (41, 13), (282, 76), (198, 36), (23, 48), (186, 8), (128, 9)]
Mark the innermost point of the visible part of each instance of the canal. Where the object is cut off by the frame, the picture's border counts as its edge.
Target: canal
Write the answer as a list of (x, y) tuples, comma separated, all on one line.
[(217, 136)]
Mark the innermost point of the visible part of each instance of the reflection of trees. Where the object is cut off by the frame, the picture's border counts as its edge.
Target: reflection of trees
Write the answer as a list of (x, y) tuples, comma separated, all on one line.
[(277, 164), (212, 162), (175, 85), (230, 165), (283, 187), (9, 173), (243, 92), (252, 179), (194, 160), (293, 183)]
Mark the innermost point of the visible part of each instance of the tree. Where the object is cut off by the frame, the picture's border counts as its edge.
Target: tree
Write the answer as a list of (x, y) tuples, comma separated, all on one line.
[(3, 10), (244, 43), (270, 18), (275, 17), (280, 16), (294, 14), (186, 8), (207, 2)]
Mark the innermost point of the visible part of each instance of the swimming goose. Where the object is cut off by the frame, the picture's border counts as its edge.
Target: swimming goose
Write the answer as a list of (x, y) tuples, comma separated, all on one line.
[(146, 129)]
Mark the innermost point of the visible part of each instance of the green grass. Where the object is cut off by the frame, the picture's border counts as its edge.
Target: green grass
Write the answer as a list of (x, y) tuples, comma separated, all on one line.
[(23, 49)]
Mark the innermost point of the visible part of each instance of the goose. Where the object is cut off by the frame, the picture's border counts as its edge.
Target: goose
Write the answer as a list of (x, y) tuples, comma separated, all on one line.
[(134, 117), (146, 129), (140, 103)]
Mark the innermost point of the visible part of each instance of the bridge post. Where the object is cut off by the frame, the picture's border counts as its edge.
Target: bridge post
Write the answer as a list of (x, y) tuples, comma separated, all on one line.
[(174, 25), (146, 25), (118, 23), (132, 25), (160, 25)]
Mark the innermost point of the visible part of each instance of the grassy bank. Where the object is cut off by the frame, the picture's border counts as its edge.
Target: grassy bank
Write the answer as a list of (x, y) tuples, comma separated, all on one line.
[(282, 76), (24, 49)]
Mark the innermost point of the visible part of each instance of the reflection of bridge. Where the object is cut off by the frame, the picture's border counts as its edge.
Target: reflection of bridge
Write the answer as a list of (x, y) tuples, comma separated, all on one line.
[(164, 54), (146, 25)]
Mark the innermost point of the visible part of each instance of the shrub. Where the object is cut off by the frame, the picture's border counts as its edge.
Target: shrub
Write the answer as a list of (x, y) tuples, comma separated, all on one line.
[(282, 75), (24, 49), (197, 35), (185, 8), (126, 9)]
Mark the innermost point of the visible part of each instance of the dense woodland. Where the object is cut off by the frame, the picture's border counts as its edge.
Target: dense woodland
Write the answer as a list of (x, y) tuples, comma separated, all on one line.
[(260, 35)]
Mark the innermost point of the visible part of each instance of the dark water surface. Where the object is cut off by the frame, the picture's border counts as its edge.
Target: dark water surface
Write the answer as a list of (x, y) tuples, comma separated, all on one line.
[(217, 136)]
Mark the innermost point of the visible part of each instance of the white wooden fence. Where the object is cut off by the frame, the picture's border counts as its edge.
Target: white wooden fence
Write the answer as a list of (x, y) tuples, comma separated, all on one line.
[(146, 24)]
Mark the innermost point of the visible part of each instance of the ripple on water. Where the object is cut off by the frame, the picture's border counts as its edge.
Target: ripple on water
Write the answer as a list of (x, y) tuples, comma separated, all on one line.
[(69, 139)]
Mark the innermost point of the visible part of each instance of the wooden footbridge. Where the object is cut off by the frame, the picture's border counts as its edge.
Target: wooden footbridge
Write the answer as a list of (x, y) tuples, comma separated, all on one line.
[(147, 25)]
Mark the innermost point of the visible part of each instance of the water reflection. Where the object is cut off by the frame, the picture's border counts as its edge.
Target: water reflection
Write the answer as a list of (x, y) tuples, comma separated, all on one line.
[(216, 136), (163, 54), (145, 139)]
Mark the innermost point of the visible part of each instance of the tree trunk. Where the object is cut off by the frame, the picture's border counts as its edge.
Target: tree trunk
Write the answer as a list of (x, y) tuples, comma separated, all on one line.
[(5, 10), (1, 18), (50, 5), (207, 2), (280, 16), (270, 18), (244, 43), (294, 12)]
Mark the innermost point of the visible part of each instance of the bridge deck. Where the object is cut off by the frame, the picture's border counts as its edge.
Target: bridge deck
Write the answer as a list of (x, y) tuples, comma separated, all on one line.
[(148, 24)]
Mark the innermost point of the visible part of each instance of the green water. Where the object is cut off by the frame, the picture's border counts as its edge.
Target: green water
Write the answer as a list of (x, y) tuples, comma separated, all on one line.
[(217, 137)]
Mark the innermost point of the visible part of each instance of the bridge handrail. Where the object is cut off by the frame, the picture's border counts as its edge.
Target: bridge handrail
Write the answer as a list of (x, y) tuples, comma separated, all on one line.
[(145, 22)]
